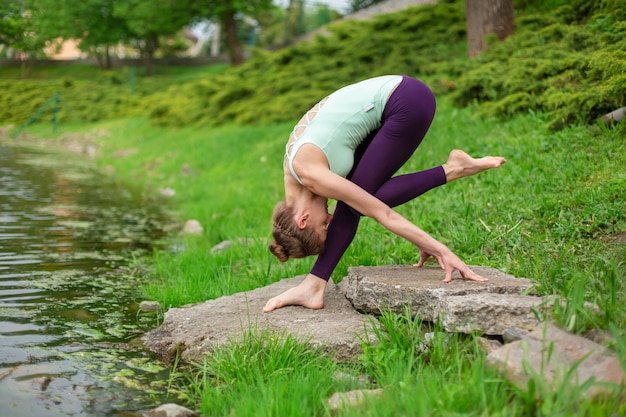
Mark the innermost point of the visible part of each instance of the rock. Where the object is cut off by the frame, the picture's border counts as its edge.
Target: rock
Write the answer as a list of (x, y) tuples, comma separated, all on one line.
[(601, 337), (41, 383), (90, 150), (185, 169), (550, 353), (352, 398), (192, 227), (103, 133), (149, 306), (359, 381), (465, 306), (488, 345), (513, 334), (222, 246), (125, 153), (4, 130), (488, 313), (193, 330), (428, 340), (169, 410), (495, 308), (614, 116), (166, 191)]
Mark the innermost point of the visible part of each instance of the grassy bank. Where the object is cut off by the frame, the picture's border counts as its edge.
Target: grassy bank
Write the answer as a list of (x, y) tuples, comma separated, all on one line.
[(555, 213), (552, 213)]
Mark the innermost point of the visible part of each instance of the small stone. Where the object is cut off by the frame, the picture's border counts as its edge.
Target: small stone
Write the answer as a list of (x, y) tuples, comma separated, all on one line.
[(192, 227), (125, 153), (167, 192), (103, 133), (222, 246), (228, 243), (488, 345), (513, 333), (601, 337), (352, 398), (185, 169), (149, 306), (169, 410), (90, 150), (354, 380)]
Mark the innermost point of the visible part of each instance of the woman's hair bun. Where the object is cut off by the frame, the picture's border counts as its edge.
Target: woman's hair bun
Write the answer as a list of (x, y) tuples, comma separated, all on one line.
[(278, 251)]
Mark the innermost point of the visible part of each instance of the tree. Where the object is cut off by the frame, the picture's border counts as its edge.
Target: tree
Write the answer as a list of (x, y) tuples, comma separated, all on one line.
[(90, 21), (12, 21), (148, 20), (486, 17), (276, 23), (228, 13), (19, 31), (294, 20)]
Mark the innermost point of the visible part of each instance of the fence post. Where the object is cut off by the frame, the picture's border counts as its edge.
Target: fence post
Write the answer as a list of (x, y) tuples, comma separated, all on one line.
[(32, 118), (132, 80), (55, 111)]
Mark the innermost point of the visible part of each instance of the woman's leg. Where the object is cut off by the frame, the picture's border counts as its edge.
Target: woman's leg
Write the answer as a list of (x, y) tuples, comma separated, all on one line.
[(406, 119)]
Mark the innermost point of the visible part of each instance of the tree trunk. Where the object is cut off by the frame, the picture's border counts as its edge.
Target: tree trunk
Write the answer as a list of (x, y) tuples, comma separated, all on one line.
[(288, 34), (27, 65), (107, 57), (232, 41), (215, 40), (152, 43), (486, 17)]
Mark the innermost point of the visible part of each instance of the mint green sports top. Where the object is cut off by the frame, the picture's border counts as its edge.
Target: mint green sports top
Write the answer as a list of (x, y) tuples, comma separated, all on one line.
[(343, 121)]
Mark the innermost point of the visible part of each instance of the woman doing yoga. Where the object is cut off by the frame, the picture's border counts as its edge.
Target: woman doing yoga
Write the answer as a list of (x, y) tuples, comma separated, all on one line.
[(348, 148)]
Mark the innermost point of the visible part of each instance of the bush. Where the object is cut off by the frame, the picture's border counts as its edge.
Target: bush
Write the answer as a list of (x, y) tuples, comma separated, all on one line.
[(565, 60)]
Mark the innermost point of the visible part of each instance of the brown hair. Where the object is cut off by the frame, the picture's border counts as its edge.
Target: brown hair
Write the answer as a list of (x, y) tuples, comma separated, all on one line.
[(289, 240)]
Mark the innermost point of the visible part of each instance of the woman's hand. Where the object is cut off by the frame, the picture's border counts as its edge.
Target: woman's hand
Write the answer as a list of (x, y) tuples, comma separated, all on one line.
[(449, 262)]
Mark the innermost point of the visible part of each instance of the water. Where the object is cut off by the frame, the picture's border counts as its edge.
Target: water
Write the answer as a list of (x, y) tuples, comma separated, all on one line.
[(68, 310)]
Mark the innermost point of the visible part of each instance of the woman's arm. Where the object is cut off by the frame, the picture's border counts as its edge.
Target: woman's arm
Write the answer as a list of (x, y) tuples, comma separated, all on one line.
[(330, 185), (325, 183)]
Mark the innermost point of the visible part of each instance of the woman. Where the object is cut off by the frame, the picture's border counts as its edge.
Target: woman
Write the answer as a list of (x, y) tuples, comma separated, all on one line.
[(348, 148)]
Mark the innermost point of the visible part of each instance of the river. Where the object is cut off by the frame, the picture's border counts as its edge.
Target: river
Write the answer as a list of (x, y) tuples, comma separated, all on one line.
[(69, 319)]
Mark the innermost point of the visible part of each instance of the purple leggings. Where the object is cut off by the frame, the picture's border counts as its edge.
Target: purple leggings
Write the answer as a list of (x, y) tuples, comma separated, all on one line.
[(405, 121)]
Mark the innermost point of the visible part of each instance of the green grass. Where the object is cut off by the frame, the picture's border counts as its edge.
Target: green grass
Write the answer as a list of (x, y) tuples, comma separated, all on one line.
[(265, 375)]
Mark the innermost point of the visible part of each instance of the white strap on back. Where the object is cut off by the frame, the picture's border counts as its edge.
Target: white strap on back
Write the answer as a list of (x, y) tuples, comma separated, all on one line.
[(297, 133)]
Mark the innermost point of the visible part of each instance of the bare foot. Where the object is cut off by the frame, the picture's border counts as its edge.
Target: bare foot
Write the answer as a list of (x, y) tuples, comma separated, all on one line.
[(309, 293), (460, 164)]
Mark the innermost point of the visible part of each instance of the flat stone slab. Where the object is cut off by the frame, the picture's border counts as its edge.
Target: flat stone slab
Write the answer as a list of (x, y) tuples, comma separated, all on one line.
[(466, 306), (373, 289), (491, 314), (196, 329), (550, 353)]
